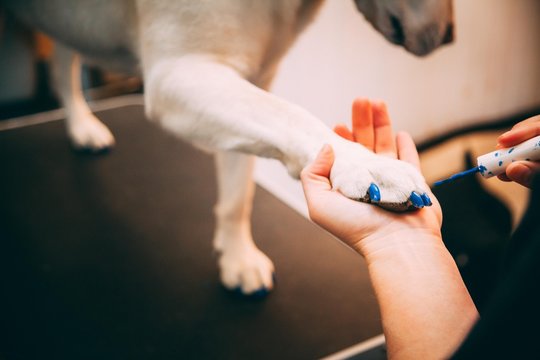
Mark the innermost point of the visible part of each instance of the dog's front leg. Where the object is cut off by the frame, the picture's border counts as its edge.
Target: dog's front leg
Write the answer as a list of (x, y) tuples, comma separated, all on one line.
[(242, 265), (209, 103)]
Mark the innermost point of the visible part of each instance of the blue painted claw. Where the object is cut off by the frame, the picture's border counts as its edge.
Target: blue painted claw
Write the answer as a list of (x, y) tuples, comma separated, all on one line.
[(374, 193), (259, 294), (256, 295), (416, 200), (426, 199)]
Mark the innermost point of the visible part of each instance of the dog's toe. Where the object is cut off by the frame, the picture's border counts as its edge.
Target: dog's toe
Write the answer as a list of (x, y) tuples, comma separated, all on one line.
[(90, 135), (247, 270), (389, 183)]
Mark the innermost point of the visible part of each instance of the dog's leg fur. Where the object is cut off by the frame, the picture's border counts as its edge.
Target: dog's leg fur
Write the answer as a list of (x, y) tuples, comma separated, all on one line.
[(210, 104), (242, 265), (84, 129)]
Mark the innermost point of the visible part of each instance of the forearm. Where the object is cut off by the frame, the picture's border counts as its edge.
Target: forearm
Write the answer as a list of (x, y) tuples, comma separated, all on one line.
[(425, 307)]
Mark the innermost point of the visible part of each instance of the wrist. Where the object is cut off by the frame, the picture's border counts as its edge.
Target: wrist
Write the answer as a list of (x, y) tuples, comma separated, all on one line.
[(425, 306), (400, 244)]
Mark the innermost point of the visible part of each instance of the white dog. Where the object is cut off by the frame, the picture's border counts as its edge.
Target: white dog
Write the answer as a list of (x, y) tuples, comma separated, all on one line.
[(206, 65)]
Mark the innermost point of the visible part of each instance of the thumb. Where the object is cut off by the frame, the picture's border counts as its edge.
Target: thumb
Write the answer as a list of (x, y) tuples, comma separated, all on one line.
[(522, 172), (316, 175)]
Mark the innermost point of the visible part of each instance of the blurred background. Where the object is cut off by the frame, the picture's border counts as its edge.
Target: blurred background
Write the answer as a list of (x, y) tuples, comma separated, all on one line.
[(25, 72)]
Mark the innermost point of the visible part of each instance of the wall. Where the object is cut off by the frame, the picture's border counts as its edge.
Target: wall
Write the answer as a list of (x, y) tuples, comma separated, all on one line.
[(491, 71)]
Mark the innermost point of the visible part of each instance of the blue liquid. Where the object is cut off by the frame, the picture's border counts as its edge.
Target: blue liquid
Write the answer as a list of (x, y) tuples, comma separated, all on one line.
[(459, 175)]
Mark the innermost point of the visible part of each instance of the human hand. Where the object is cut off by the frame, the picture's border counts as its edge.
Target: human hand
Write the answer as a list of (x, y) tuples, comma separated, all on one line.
[(520, 171), (367, 228)]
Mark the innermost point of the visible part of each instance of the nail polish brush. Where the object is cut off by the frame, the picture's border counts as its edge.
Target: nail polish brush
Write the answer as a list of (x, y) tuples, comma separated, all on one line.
[(496, 162)]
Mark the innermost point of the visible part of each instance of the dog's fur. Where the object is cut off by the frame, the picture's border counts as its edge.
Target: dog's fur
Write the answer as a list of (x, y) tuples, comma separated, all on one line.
[(206, 65)]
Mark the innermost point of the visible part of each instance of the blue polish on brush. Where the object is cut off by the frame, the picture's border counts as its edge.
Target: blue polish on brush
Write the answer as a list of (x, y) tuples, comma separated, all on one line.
[(482, 169), (458, 175), (494, 163)]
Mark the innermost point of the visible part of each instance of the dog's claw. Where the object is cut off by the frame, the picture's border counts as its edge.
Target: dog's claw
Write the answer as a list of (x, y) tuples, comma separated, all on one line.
[(374, 193), (416, 200), (426, 199), (259, 294)]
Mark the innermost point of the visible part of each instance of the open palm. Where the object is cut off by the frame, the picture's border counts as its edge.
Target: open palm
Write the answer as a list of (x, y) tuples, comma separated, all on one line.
[(362, 226)]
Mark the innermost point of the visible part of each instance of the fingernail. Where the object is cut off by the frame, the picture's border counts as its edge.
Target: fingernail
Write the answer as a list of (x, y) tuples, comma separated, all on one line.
[(374, 193), (416, 200), (426, 199)]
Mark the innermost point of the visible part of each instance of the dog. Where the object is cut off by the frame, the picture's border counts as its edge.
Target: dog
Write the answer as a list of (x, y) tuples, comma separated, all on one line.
[(207, 65)]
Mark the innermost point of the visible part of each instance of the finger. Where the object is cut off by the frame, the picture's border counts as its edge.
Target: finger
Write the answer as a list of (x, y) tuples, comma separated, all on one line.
[(316, 185), (316, 175), (520, 132), (504, 178), (344, 132), (362, 119), (522, 172), (384, 136), (526, 122), (406, 149)]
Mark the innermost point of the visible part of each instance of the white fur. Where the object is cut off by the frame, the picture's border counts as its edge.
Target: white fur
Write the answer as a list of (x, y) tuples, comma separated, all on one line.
[(206, 66), (83, 128)]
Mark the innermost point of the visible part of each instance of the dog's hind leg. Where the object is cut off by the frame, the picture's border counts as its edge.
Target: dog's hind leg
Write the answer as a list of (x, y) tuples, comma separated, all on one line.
[(84, 129), (242, 265)]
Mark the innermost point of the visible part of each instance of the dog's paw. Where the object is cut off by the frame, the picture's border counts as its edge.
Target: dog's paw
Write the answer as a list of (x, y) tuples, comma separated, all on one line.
[(247, 269), (392, 184), (90, 134)]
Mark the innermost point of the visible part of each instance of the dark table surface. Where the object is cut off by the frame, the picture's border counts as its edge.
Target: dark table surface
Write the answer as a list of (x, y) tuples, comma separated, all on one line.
[(109, 257)]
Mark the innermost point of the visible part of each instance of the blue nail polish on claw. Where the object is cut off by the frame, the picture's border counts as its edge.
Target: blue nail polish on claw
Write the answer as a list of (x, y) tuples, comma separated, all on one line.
[(416, 200), (426, 199), (259, 294), (374, 193)]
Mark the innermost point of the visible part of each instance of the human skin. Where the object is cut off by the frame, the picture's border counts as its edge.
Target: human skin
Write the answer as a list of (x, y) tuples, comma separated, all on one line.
[(426, 309), (520, 171)]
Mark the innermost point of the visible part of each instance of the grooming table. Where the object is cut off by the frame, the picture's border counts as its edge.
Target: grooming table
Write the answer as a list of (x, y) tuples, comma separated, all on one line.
[(109, 257)]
